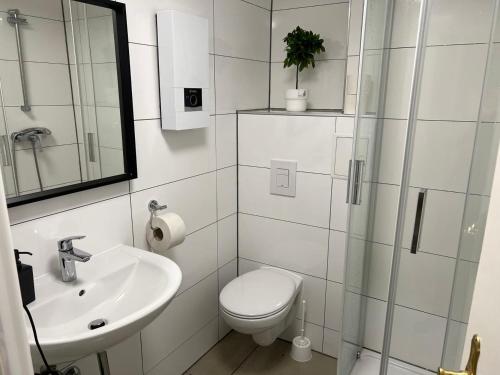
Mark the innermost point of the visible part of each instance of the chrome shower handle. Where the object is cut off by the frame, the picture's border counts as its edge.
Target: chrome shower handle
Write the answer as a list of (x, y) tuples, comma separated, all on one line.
[(417, 227)]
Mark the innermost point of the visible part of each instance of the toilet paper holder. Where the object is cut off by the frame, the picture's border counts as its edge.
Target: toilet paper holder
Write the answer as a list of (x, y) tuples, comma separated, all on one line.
[(153, 208)]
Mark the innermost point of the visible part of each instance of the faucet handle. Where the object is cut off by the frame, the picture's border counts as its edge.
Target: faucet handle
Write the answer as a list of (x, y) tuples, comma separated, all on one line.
[(66, 243)]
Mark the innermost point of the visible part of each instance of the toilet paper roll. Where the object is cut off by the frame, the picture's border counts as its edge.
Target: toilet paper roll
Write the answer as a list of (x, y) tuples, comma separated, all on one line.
[(168, 230)]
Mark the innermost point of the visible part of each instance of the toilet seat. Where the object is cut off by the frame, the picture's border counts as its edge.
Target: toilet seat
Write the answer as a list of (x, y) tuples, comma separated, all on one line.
[(257, 294)]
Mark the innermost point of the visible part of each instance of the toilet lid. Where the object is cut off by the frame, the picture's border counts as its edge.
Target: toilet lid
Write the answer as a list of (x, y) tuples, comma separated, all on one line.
[(257, 293)]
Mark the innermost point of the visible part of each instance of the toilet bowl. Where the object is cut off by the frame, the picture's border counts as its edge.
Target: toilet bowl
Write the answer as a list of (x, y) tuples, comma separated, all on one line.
[(262, 303)]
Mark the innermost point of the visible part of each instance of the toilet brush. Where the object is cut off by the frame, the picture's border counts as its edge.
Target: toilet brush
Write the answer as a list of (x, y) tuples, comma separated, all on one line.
[(301, 345)]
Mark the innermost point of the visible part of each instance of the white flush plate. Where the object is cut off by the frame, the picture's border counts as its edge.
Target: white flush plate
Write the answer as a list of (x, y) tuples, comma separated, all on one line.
[(283, 177)]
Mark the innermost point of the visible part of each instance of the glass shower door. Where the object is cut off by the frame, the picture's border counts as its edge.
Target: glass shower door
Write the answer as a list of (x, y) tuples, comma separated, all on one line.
[(6, 160), (367, 190)]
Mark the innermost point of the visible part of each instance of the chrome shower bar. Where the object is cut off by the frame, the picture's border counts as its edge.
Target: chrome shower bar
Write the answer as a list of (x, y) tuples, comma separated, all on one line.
[(14, 20)]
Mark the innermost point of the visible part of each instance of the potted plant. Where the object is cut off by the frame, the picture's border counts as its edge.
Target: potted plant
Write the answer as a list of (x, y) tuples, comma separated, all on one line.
[(301, 46)]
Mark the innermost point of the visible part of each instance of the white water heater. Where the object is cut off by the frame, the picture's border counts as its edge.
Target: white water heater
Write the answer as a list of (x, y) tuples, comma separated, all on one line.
[(183, 66)]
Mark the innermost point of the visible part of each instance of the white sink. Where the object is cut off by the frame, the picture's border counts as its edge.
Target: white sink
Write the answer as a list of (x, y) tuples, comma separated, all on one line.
[(125, 286)]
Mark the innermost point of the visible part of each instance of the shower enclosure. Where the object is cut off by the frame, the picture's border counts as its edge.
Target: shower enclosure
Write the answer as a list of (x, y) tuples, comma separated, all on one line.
[(425, 143)]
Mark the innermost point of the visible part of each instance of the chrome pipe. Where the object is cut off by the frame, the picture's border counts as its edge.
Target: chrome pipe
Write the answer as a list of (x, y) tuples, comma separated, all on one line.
[(14, 20), (102, 360)]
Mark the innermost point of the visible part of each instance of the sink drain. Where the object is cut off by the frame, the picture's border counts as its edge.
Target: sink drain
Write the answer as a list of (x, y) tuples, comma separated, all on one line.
[(98, 323)]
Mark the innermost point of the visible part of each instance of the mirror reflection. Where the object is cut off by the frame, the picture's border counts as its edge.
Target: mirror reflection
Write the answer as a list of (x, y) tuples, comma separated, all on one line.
[(60, 118)]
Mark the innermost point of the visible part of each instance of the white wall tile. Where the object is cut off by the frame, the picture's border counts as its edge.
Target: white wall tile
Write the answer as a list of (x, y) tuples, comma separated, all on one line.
[(105, 224), (241, 36), (330, 21), (483, 161), (141, 17), (405, 24), (126, 357), (102, 41), (398, 83), (189, 352), (417, 337), (454, 344), (192, 199), (489, 109), (442, 155), (379, 260), (48, 9), (292, 246), (336, 256), (460, 22), (39, 76), (338, 218), (331, 342), (227, 273), (66, 202), (186, 315), (240, 84), (109, 125), (226, 140), (334, 302), (196, 256), (389, 166), (425, 282), (261, 3), (476, 213), (385, 200), (106, 90), (289, 4), (351, 87), (43, 40), (465, 278), (355, 21), (145, 81), (167, 156), (451, 82), (227, 238), (111, 161), (58, 165), (374, 324), (310, 206), (309, 140), (227, 192), (325, 84), (441, 221)]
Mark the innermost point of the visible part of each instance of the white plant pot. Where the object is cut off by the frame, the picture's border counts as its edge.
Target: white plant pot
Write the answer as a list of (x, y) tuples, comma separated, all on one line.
[(296, 100)]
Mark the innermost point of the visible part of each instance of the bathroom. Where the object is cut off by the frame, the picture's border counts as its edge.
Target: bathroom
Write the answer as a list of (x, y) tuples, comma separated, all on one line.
[(170, 142)]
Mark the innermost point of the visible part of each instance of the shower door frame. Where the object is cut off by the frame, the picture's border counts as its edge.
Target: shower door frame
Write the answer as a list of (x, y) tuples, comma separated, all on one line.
[(417, 73)]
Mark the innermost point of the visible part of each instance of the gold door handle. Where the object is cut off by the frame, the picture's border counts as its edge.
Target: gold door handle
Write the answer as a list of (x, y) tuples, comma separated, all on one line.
[(471, 369)]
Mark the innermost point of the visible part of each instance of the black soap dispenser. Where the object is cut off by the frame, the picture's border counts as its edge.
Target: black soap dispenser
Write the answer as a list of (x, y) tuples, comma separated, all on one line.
[(26, 281)]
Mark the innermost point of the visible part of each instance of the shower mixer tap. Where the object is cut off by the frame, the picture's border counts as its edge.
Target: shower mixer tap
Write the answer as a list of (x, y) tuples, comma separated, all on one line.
[(31, 134)]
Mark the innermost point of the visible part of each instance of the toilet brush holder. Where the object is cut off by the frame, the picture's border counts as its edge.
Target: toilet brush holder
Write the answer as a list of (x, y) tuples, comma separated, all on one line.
[(301, 345)]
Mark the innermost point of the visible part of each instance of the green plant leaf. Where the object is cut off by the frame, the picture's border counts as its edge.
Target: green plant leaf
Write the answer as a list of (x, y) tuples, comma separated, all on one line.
[(301, 46)]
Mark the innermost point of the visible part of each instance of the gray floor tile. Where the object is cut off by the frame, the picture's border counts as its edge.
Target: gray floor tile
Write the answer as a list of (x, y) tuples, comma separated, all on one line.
[(225, 357), (275, 360)]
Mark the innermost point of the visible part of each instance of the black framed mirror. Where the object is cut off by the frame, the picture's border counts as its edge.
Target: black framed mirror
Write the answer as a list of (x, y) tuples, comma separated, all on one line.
[(66, 117)]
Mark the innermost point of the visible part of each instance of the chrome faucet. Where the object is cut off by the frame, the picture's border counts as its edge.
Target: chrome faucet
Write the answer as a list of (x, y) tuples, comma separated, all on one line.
[(68, 255)]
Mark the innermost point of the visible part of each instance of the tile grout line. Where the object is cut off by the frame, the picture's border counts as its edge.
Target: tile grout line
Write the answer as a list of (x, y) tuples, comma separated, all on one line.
[(245, 360)]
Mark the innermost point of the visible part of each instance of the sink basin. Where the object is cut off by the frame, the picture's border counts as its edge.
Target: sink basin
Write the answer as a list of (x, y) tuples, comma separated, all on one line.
[(125, 287)]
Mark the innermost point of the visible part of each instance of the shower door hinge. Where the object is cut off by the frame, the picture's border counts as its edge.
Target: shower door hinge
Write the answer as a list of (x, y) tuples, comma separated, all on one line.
[(358, 354)]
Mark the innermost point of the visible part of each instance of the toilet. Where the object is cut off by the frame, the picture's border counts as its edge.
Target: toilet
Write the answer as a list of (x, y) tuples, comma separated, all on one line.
[(261, 303)]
